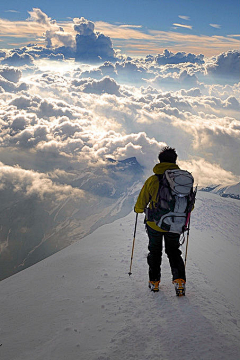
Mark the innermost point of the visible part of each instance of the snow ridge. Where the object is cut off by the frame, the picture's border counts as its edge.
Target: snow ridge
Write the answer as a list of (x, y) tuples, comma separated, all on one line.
[(80, 303), (232, 191)]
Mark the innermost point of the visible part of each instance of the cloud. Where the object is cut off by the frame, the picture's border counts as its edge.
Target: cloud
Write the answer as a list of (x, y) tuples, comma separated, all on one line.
[(55, 35), (91, 46), (83, 26), (2, 54), (55, 38), (10, 86), (224, 91), (120, 32), (216, 26), (37, 15), (184, 17), (225, 65), (196, 92), (131, 26), (167, 57), (30, 183), (129, 72), (85, 45), (24, 102), (138, 145), (175, 81), (15, 59), (12, 11), (183, 26), (11, 74), (206, 173), (105, 85)]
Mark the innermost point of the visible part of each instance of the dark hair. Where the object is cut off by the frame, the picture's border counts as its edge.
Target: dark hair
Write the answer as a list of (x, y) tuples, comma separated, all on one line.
[(168, 154)]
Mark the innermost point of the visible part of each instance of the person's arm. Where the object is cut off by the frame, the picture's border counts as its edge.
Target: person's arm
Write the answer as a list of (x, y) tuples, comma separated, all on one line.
[(144, 198)]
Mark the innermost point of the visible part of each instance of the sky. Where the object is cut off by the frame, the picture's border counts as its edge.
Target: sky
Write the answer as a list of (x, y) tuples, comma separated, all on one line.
[(136, 27)]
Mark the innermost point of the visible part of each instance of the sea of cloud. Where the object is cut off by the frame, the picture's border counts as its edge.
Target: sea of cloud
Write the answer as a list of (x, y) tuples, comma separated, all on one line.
[(86, 103)]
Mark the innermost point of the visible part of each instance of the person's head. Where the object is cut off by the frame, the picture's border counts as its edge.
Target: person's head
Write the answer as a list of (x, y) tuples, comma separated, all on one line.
[(168, 154)]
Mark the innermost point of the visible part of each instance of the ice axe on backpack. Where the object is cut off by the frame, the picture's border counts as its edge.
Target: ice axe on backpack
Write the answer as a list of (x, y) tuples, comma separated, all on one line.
[(188, 229), (187, 225), (134, 235)]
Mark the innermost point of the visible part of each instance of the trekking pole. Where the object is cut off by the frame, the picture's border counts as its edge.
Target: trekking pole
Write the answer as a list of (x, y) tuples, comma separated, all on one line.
[(187, 244), (135, 229)]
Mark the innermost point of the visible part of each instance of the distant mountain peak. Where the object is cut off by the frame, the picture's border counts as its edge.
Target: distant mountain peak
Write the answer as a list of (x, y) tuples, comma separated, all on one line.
[(125, 164), (125, 161)]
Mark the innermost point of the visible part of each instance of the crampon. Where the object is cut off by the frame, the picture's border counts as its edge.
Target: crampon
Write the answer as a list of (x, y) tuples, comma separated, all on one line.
[(154, 285), (180, 287)]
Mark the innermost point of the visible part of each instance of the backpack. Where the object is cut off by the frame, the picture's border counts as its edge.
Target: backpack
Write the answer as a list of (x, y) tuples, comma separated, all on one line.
[(175, 201)]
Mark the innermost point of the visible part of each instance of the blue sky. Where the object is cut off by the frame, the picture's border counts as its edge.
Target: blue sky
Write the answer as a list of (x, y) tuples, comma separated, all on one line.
[(187, 17)]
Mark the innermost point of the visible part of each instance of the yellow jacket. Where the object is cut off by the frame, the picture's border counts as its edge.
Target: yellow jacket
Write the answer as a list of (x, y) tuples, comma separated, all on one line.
[(150, 189)]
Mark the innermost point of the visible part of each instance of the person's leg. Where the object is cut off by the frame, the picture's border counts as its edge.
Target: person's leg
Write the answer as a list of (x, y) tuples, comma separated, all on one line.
[(174, 255), (155, 253)]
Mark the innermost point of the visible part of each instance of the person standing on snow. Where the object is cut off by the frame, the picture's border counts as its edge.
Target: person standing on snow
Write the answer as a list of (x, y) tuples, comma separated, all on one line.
[(147, 197)]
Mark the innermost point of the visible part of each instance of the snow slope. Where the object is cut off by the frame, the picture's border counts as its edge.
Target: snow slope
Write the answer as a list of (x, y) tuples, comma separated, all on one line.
[(81, 304), (33, 228)]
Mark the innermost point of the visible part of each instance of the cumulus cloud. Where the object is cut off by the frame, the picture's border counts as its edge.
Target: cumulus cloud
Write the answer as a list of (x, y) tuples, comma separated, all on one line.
[(59, 37), (206, 173), (40, 17), (167, 57), (91, 46), (11, 74), (30, 183), (139, 145), (81, 41), (223, 91), (175, 81), (196, 92), (83, 26), (2, 54), (55, 35), (16, 59), (10, 86), (105, 85), (226, 65)]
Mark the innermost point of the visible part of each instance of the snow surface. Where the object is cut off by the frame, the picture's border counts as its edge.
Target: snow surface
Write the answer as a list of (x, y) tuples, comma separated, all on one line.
[(81, 304)]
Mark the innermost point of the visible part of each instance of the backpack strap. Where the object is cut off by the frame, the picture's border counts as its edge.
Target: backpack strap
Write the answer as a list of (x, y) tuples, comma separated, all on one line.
[(160, 178), (164, 200)]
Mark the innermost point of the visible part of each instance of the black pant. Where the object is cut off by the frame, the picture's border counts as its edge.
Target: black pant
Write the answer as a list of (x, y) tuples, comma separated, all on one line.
[(154, 258)]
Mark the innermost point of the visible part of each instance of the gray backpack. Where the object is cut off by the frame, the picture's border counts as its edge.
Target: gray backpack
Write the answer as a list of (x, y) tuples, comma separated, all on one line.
[(175, 200)]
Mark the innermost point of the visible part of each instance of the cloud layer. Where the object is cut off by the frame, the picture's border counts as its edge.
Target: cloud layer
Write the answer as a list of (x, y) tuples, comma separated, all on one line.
[(81, 117), (83, 113)]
